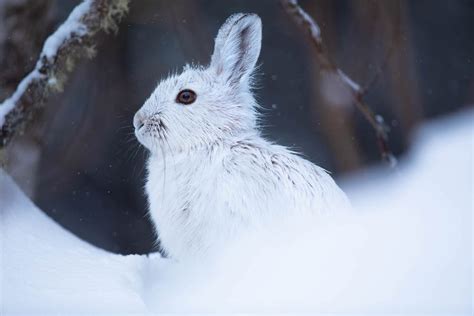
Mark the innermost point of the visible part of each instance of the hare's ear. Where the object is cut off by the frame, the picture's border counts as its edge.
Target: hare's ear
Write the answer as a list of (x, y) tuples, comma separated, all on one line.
[(237, 47)]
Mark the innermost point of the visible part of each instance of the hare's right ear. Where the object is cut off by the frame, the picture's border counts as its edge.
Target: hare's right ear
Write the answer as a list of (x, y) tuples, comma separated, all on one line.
[(237, 47)]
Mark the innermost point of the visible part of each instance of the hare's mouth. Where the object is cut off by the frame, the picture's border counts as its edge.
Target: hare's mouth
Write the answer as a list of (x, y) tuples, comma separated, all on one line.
[(151, 131), (154, 128), (158, 124)]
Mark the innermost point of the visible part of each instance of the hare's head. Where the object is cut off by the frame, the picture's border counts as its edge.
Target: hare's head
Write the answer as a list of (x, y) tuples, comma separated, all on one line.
[(201, 105)]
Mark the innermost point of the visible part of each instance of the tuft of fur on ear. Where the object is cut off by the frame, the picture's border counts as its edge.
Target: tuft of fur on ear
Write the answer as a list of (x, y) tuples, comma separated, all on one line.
[(237, 47)]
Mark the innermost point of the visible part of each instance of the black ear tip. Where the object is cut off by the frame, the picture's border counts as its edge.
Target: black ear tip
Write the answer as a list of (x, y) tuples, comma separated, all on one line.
[(243, 18), (251, 15), (256, 20), (251, 18)]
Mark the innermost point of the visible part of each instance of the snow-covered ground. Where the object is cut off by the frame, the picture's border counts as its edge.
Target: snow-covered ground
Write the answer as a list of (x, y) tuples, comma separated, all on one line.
[(406, 249)]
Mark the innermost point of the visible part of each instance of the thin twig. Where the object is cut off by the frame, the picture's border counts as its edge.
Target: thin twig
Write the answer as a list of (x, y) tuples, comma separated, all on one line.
[(73, 40), (388, 54), (326, 63)]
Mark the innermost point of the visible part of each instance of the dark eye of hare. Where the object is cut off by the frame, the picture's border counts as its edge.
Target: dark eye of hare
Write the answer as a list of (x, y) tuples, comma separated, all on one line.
[(186, 97)]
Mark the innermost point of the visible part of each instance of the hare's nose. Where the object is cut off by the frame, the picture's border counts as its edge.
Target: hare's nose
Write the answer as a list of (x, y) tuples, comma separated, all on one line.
[(138, 120)]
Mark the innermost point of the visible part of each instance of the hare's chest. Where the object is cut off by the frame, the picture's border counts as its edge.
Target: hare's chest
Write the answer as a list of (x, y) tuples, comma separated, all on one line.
[(170, 198), (183, 206)]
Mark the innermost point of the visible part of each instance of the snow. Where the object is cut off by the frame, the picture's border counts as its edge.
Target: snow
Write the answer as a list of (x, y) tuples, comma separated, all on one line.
[(314, 29), (72, 25), (9, 104), (407, 249), (45, 268), (345, 78)]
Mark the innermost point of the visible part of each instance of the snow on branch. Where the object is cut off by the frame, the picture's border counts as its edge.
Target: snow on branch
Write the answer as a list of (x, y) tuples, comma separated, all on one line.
[(73, 40), (296, 12)]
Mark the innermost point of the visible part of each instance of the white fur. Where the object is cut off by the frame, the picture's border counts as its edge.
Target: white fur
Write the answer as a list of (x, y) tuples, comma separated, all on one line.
[(210, 173)]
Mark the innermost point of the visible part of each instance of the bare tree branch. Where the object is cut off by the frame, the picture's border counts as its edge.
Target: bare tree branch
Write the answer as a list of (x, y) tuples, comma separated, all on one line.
[(73, 40), (326, 63)]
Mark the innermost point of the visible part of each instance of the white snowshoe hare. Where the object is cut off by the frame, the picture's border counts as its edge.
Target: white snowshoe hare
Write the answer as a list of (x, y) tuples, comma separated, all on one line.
[(210, 173)]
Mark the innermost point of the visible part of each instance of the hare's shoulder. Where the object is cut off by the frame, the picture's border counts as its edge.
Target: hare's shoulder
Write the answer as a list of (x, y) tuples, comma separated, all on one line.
[(270, 162), (266, 173)]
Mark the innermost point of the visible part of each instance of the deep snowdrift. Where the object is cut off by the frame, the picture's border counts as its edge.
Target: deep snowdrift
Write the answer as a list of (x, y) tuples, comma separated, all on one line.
[(46, 268), (406, 249)]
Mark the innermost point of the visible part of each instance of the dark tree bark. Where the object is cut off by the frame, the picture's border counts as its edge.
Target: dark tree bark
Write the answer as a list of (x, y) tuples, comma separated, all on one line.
[(24, 26), (72, 41)]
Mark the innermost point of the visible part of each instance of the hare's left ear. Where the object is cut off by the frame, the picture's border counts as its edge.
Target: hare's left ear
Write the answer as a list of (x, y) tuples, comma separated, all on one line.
[(237, 47)]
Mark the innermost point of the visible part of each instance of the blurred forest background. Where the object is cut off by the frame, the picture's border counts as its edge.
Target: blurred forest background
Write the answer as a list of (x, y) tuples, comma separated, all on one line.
[(80, 163)]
